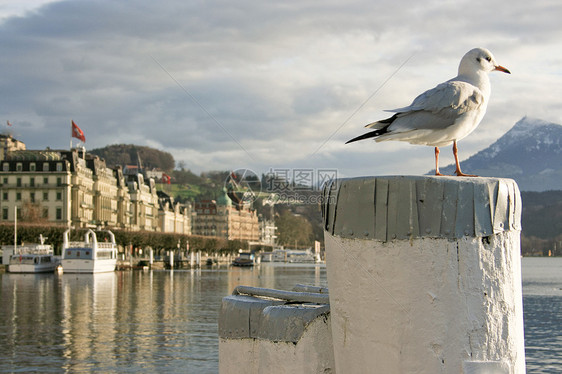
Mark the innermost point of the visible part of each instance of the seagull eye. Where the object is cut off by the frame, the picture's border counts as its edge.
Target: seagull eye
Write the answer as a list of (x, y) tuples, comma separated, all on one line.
[(488, 59)]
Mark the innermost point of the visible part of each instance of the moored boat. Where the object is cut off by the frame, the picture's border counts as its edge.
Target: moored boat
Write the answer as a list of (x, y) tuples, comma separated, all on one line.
[(89, 256), (31, 258), (244, 259)]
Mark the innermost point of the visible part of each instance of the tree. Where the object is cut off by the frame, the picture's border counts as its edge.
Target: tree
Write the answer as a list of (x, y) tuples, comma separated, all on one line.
[(294, 230)]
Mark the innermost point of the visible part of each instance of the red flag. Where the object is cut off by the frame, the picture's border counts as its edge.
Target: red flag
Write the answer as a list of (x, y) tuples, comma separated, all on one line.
[(77, 133), (166, 178), (8, 122)]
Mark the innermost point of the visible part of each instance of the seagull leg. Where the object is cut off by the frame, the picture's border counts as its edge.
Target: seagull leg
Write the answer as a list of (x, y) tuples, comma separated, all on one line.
[(458, 172), (437, 162)]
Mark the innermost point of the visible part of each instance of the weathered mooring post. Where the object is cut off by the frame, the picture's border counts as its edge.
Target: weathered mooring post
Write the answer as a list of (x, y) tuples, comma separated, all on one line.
[(273, 331), (424, 274)]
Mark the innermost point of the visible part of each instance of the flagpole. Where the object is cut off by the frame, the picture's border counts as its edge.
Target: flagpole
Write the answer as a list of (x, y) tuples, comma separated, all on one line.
[(15, 228)]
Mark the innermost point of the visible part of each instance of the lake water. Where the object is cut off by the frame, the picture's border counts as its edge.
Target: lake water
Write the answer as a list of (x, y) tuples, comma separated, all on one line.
[(166, 321)]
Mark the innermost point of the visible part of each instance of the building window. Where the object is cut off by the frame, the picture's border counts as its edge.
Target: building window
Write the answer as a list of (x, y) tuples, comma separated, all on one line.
[(4, 213), (59, 213), (32, 182), (59, 181), (18, 213), (45, 196), (19, 167), (31, 167), (45, 212), (59, 166), (6, 167), (5, 180), (32, 197), (45, 166), (59, 196), (5, 196), (18, 182), (45, 180), (18, 196)]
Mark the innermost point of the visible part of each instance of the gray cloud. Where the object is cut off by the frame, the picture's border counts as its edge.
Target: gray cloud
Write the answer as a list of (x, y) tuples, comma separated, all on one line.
[(279, 78)]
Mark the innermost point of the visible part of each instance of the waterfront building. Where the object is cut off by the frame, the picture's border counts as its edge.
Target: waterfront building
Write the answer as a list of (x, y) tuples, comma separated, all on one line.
[(39, 184), (173, 216), (267, 231), (124, 207), (144, 203), (223, 219), (70, 188), (82, 189), (9, 144), (106, 194)]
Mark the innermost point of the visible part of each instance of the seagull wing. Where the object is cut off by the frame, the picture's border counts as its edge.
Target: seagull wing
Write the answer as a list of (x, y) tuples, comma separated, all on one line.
[(439, 107)]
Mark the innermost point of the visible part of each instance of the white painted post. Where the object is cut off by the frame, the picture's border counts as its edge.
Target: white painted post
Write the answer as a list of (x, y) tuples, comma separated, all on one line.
[(171, 259), (151, 261), (191, 258), (424, 275), (198, 258)]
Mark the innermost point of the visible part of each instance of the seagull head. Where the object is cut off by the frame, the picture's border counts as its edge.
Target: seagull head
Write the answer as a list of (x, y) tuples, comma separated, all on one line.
[(479, 60)]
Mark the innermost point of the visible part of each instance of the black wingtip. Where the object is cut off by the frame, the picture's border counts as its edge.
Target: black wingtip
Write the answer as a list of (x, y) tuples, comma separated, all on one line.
[(371, 134)]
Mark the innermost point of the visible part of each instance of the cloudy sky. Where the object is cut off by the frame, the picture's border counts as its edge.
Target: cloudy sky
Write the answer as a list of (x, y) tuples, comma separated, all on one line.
[(266, 85)]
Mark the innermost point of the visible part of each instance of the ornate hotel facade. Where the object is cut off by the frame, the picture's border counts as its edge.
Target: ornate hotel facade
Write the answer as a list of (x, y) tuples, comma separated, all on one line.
[(221, 218), (72, 188), (76, 189)]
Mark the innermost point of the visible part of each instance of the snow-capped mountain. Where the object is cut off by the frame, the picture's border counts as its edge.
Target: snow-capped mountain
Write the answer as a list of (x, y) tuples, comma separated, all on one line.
[(530, 153)]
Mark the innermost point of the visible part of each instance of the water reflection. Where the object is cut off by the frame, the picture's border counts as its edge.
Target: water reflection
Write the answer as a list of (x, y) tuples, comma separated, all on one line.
[(132, 321), (88, 319)]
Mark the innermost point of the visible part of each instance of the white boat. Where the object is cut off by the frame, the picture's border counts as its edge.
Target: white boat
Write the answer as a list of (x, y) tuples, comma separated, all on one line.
[(31, 258), (290, 256), (89, 256), (300, 256)]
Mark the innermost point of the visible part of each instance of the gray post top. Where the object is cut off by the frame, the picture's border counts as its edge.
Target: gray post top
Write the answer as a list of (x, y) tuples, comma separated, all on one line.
[(404, 207), (274, 315)]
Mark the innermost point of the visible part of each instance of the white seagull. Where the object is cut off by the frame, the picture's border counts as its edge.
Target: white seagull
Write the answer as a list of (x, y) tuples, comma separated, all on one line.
[(446, 113)]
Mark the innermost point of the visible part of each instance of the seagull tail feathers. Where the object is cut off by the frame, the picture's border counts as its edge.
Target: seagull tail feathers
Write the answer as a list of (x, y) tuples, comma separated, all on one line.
[(381, 127)]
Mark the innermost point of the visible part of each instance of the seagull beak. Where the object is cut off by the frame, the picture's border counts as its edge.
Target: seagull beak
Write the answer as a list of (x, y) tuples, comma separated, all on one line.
[(501, 68)]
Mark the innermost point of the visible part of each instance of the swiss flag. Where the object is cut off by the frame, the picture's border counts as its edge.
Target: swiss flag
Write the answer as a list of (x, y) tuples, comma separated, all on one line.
[(77, 133), (166, 178)]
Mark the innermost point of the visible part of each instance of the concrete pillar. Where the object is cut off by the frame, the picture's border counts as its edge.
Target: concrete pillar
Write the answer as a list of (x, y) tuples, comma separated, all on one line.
[(425, 274), (191, 259), (151, 253), (171, 259)]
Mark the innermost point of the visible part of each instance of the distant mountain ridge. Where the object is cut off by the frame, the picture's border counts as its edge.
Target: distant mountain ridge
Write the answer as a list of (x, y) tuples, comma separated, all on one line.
[(530, 153)]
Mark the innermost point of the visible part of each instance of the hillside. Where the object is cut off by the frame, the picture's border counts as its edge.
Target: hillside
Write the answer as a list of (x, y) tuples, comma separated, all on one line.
[(530, 153), (542, 214), (130, 154)]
